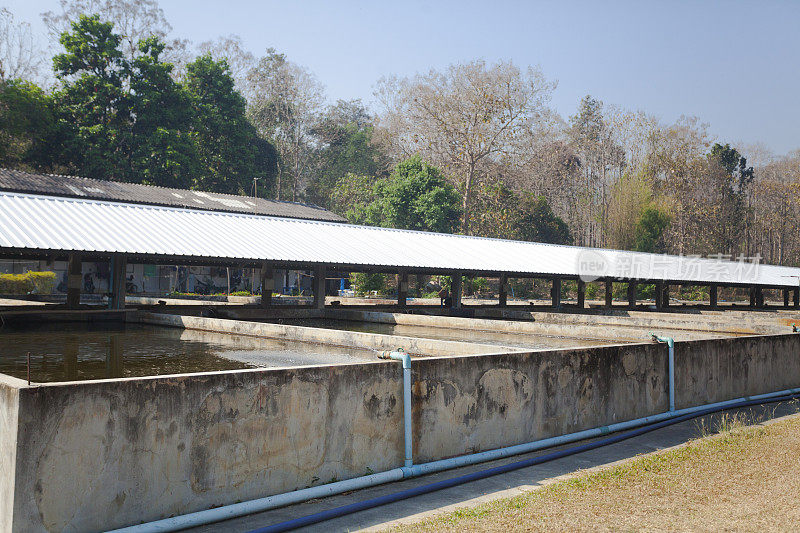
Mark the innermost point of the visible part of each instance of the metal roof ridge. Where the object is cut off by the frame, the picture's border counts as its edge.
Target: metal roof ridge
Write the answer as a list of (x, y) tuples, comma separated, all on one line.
[(161, 187)]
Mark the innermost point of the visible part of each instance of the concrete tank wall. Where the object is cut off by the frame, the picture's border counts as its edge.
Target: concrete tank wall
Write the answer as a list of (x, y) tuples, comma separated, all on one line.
[(9, 415), (102, 454)]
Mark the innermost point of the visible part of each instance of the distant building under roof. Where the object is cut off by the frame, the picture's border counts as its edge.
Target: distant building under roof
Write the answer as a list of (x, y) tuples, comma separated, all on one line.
[(76, 187)]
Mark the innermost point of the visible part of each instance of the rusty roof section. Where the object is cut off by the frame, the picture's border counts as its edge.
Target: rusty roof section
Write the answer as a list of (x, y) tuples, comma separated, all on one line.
[(77, 187)]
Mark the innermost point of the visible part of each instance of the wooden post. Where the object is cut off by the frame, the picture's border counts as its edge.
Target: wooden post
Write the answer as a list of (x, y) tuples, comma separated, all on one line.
[(455, 290), (502, 295), (402, 288), (581, 294), (631, 294), (74, 281), (555, 293), (609, 293), (319, 287), (119, 264), (267, 284), (712, 295)]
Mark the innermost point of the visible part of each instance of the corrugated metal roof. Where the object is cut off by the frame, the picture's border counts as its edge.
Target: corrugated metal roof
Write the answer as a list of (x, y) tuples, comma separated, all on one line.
[(51, 223), (76, 187)]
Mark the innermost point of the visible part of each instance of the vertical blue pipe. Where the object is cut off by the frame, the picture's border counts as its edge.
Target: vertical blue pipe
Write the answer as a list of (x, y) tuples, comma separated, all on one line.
[(407, 436)]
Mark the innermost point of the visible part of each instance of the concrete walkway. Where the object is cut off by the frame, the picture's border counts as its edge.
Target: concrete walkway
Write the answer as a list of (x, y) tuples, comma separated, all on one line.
[(504, 486)]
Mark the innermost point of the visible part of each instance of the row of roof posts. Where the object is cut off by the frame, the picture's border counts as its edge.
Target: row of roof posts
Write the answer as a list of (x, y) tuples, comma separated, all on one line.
[(74, 280), (502, 296), (455, 290), (795, 297), (267, 284), (581, 294), (319, 287), (402, 288), (118, 263), (555, 293)]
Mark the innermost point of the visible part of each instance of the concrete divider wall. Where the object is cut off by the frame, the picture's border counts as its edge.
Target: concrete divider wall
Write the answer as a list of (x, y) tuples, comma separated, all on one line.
[(374, 341), (102, 454)]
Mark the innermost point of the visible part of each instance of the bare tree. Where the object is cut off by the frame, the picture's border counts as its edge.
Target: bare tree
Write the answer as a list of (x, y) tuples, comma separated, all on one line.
[(285, 100), (133, 20), (231, 49), (20, 57), (464, 119)]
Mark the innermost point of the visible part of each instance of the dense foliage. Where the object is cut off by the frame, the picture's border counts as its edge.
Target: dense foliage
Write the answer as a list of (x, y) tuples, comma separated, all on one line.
[(121, 119)]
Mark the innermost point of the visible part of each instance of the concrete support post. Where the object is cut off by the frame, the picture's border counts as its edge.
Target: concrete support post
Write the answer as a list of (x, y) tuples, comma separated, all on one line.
[(609, 293), (267, 284), (659, 296), (74, 279), (759, 297), (581, 294), (796, 292), (455, 290), (665, 296), (786, 297), (402, 288), (752, 296), (555, 292), (712, 295), (631, 294), (119, 264), (502, 295), (319, 287)]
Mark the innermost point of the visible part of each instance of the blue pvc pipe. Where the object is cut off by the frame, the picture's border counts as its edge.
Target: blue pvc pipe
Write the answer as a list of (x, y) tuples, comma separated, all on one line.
[(503, 469)]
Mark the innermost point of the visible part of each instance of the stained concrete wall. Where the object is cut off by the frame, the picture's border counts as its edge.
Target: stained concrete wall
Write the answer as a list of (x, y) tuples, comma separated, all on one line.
[(9, 415), (96, 455)]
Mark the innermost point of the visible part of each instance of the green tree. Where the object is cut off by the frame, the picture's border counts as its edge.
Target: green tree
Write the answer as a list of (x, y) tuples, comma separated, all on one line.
[(536, 222), (93, 100), (230, 151), (29, 135), (415, 196), (163, 149), (345, 133), (650, 229)]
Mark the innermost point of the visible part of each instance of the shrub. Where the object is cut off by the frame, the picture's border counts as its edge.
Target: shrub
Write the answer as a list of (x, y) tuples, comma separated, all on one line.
[(27, 283), (363, 283)]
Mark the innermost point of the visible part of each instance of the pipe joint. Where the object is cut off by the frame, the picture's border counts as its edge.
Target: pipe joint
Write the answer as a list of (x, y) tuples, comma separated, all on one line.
[(397, 355)]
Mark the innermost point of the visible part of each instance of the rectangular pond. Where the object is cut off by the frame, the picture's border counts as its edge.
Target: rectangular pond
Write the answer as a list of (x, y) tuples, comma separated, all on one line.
[(80, 351)]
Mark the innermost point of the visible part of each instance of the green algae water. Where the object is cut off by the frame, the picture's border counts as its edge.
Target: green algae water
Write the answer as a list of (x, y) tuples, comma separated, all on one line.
[(79, 352)]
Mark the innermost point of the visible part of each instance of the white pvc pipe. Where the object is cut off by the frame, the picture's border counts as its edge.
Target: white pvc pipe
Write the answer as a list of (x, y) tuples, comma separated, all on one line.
[(271, 502), (400, 355)]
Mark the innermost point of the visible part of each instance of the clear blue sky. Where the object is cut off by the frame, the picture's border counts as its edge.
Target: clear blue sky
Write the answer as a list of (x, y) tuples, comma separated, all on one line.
[(733, 64)]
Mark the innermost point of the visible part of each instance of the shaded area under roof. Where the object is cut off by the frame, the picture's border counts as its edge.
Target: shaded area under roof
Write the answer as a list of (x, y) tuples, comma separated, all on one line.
[(31, 223), (76, 187)]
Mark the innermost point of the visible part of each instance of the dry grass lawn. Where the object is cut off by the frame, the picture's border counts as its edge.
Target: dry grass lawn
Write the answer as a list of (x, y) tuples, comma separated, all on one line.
[(746, 478)]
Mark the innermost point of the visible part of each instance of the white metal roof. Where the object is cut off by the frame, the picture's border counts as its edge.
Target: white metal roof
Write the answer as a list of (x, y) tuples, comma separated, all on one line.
[(31, 222)]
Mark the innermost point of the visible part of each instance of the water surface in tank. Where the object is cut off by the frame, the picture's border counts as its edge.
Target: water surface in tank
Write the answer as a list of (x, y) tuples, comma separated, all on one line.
[(77, 352)]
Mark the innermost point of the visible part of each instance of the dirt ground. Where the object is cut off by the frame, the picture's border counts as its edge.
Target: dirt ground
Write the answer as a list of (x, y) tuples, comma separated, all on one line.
[(745, 478)]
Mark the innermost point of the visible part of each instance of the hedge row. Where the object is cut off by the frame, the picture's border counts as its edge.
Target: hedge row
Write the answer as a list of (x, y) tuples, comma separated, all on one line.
[(29, 282)]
